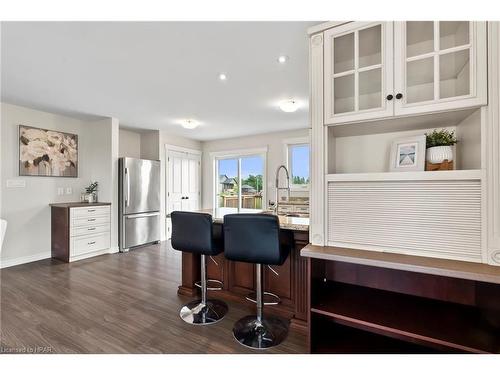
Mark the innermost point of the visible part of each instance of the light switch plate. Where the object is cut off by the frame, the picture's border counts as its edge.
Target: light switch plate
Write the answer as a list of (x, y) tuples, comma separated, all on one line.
[(60, 191), (69, 191), (16, 183)]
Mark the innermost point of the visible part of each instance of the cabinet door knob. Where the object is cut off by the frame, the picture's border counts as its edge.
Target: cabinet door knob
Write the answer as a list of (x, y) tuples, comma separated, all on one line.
[(389, 97), (399, 95)]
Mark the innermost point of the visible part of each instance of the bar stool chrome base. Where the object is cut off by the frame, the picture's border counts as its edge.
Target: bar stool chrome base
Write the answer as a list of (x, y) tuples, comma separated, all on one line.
[(197, 313), (269, 332)]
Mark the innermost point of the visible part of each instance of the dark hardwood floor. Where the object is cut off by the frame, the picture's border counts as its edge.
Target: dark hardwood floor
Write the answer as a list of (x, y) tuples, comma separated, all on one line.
[(118, 303)]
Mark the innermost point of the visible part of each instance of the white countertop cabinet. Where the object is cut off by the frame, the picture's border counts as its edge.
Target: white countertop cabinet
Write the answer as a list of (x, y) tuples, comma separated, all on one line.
[(372, 83), (80, 230)]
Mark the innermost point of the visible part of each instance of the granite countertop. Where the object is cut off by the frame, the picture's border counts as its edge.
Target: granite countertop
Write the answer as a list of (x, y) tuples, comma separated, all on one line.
[(286, 222), (78, 204)]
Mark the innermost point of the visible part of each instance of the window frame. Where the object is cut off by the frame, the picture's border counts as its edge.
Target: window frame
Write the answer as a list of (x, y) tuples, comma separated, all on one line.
[(288, 157), (238, 155)]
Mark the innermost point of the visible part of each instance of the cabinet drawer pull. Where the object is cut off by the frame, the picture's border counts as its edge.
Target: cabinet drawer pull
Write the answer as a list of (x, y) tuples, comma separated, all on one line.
[(90, 210), (90, 219), (91, 228), (91, 243)]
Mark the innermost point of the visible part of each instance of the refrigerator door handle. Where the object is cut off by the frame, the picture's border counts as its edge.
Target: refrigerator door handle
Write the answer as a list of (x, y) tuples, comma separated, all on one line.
[(127, 177), (136, 216)]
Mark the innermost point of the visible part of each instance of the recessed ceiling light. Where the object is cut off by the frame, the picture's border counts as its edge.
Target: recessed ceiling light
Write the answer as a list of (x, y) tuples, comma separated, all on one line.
[(289, 105), (189, 124), (222, 76), (282, 59)]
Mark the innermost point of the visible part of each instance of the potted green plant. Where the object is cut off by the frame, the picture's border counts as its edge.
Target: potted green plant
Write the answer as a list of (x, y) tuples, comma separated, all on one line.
[(91, 192), (439, 146)]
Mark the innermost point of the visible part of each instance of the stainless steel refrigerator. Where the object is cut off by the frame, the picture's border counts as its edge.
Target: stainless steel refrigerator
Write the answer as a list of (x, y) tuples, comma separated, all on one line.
[(139, 197)]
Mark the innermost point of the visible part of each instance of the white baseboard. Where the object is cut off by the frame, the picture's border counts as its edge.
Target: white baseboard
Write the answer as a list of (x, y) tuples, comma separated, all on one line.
[(114, 249), (26, 259)]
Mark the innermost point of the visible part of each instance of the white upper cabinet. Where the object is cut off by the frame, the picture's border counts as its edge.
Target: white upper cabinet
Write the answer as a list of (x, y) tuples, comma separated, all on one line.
[(439, 66), (375, 70), (358, 71)]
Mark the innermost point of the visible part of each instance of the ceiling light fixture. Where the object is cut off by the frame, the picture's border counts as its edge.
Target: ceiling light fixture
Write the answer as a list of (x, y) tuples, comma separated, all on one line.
[(189, 124), (282, 59), (222, 76), (289, 105)]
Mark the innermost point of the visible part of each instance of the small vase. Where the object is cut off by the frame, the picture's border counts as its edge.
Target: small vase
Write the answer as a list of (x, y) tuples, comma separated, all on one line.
[(438, 154)]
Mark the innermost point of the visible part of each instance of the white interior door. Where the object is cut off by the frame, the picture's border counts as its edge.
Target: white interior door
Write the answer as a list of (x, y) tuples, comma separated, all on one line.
[(183, 183)]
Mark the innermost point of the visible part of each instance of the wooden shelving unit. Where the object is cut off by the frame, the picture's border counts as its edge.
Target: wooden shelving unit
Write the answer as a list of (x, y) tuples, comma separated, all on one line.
[(375, 302), (331, 337), (437, 324)]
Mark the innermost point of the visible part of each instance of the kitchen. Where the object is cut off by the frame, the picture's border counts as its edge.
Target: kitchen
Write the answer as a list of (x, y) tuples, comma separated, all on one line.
[(334, 193)]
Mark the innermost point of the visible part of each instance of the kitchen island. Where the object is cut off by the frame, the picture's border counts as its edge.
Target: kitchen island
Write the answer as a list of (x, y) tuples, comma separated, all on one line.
[(289, 281)]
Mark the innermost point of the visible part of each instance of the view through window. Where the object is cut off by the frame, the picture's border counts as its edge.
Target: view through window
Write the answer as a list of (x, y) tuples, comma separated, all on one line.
[(298, 164), (240, 183)]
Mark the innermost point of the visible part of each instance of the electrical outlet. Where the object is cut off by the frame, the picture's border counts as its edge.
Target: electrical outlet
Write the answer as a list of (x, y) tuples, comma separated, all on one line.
[(16, 183), (60, 191), (69, 191)]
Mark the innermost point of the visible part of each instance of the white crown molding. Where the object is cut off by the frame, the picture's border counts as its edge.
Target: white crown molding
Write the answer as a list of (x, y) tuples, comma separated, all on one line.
[(324, 26)]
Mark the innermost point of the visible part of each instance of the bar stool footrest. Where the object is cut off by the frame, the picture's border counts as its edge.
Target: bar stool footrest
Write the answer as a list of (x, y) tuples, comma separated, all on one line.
[(212, 284), (268, 298)]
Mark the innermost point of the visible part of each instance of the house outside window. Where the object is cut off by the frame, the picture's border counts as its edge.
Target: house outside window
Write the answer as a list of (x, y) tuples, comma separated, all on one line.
[(241, 181)]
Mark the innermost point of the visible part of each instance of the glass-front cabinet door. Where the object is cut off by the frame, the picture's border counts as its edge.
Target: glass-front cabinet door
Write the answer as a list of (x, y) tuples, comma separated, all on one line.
[(436, 65), (358, 73)]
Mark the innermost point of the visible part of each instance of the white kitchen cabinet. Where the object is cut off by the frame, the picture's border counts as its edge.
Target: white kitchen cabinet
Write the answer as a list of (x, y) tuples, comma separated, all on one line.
[(378, 70), (80, 230), (358, 71), (439, 66)]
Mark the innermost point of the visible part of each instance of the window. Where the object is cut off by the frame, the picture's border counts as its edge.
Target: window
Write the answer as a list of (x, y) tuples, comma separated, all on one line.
[(240, 182), (298, 165)]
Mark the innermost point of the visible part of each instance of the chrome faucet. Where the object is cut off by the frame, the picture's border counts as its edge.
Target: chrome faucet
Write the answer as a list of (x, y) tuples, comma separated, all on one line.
[(278, 188)]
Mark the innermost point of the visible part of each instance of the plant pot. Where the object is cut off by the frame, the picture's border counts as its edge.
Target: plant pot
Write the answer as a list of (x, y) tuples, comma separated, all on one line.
[(438, 154), (91, 197)]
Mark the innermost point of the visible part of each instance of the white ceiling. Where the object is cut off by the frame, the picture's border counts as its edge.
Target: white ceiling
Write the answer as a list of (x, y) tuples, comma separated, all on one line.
[(150, 74)]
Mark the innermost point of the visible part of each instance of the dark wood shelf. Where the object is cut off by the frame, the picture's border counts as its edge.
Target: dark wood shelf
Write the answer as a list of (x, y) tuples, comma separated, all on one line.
[(433, 266), (437, 324), (332, 338)]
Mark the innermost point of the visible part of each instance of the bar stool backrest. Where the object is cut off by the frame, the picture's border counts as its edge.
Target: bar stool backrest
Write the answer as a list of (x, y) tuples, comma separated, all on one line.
[(253, 238), (193, 232)]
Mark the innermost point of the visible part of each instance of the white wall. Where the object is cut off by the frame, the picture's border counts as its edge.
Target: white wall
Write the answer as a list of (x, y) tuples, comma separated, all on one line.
[(275, 156), (150, 145), (27, 209), (368, 153), (130, 144)]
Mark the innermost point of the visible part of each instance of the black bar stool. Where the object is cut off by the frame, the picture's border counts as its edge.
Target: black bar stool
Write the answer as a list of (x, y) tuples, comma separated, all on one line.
[(255, 238), (193, 232)]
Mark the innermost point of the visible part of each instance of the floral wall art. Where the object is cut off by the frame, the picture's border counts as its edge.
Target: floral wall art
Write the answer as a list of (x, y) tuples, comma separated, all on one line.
[(47, 153)]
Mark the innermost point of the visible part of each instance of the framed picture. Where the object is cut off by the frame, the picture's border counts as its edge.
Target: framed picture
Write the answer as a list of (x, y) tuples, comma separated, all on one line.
[(47, 153), (408, 154)]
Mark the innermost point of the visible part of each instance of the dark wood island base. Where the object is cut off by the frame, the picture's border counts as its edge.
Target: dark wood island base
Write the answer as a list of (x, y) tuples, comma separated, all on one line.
[(290, 283)]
